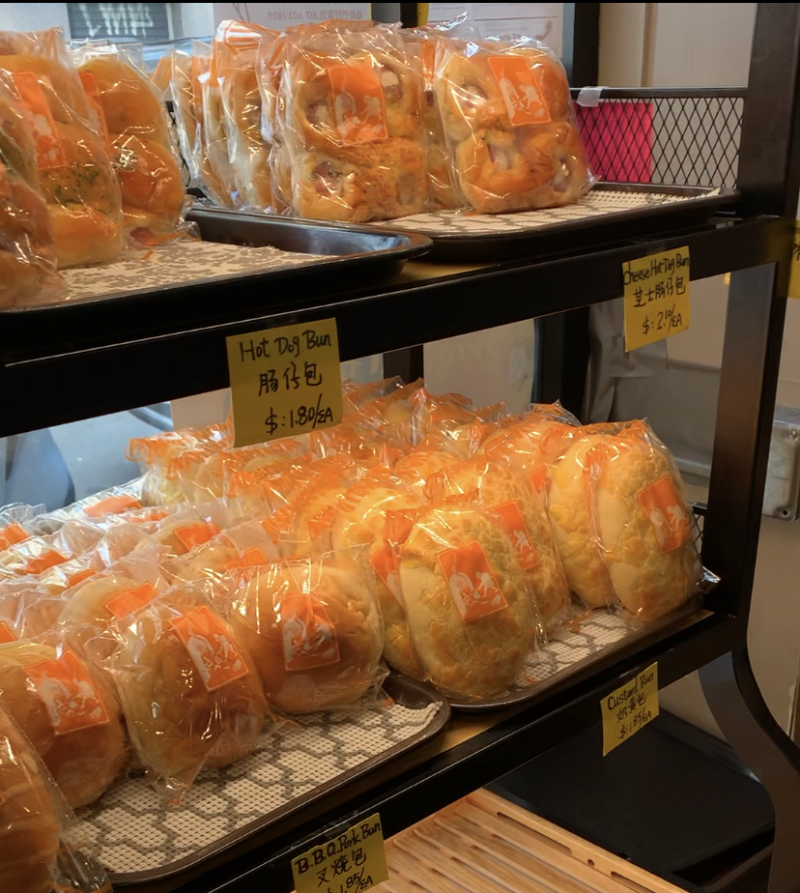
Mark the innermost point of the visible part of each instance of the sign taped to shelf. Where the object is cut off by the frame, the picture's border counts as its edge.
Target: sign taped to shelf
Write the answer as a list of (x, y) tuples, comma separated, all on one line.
[(656, 294), (628, 709), (794, 275), (351, 862), (284, 381)]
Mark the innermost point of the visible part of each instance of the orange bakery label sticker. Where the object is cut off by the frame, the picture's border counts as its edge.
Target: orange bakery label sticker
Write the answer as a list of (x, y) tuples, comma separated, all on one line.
[(113, 505), (196, 534), (667, 514), (93, 93), (211, 647), (68, 694), (11, 535), (540, 480), (471, 581), (5, 184), (80, 576), (518, 533), (358, 104), (520, 86), (49, 151), (131, 600), (252, 557), (309, 637), (385, 564), (50, 558), (5, 633)]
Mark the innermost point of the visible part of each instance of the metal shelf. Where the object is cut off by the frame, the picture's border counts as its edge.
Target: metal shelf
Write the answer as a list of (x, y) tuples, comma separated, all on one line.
[(150, 357)]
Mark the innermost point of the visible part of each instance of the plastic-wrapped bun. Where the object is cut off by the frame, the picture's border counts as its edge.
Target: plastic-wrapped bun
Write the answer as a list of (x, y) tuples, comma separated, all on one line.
[(190, 693), (236, 48), (27, 250), (469, 608), (75, 173), (622, 522), (353, 129), (29, 828), (361, 521), (507, 116), (139, 136), (526, 523), (313, 629), (69, 714)]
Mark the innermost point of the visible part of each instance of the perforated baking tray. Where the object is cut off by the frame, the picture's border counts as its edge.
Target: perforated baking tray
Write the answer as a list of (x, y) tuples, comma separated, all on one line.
[(609, 212), (227, 812)]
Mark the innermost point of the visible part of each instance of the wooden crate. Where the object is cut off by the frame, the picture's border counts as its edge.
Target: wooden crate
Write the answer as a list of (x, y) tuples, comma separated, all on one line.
[(484, 844)]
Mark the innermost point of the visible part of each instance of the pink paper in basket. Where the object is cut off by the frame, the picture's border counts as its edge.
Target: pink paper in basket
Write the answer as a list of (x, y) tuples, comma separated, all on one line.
[(619, 140)]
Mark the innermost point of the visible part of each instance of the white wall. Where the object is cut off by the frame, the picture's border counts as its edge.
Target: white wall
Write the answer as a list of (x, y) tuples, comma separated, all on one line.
[(33, 16)]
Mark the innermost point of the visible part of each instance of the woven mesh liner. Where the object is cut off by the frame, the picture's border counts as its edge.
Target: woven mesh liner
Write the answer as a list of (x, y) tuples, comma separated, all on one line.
[(130, 830), (597, 204)]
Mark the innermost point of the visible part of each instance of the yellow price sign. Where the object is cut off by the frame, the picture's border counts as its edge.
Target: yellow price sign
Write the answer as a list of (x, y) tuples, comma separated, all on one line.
[(627, 710), (656, 296), (284, 381), (353, 861), (794, 275)]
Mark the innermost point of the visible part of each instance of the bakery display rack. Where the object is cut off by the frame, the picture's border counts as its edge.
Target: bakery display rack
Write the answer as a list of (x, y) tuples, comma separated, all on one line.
[(94, 360)]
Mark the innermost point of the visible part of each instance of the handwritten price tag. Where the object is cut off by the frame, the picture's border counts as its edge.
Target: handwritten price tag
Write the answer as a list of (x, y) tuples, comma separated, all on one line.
[(284, 381), (656, 297), (354, 861), (627, 710)]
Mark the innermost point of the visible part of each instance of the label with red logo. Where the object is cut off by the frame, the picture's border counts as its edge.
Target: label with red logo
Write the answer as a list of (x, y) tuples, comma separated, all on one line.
[(309, 638), (5, 633), (385, 564), (472, 583), (211, 647), (113, 505), (49, 151), (196, 534), (359, 104), (667, 514), (131, 600), (520, 86), (518, 533), (11, 535), (68, 693), (50, 558)]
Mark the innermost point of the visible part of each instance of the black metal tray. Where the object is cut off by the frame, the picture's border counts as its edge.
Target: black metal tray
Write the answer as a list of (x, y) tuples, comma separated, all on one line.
[(273, 823), (610, 212), (629, 643), (345, 258)]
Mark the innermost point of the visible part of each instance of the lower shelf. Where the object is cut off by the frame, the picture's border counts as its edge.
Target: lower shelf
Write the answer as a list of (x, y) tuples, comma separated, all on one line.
[(484, 844)]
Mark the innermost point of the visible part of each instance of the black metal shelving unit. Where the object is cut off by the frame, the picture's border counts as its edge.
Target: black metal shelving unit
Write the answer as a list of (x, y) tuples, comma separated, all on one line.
[(108, 360)]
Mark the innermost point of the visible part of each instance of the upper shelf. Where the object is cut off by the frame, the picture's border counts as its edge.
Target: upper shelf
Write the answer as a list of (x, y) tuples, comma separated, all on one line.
[(81, 361)]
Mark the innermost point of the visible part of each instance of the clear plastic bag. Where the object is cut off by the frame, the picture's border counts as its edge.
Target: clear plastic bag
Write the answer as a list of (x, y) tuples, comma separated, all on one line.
[(27, 249), (470, 612), (38, 843), (361, 521), (506, 114), (189, 690), (493, 486), (75, 172), (353, 130), (69, 713), (35, 555), (236, 49), (27, 609), (313, 629), (135, 124), (188, 74), (213, 132), (622, 521)]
